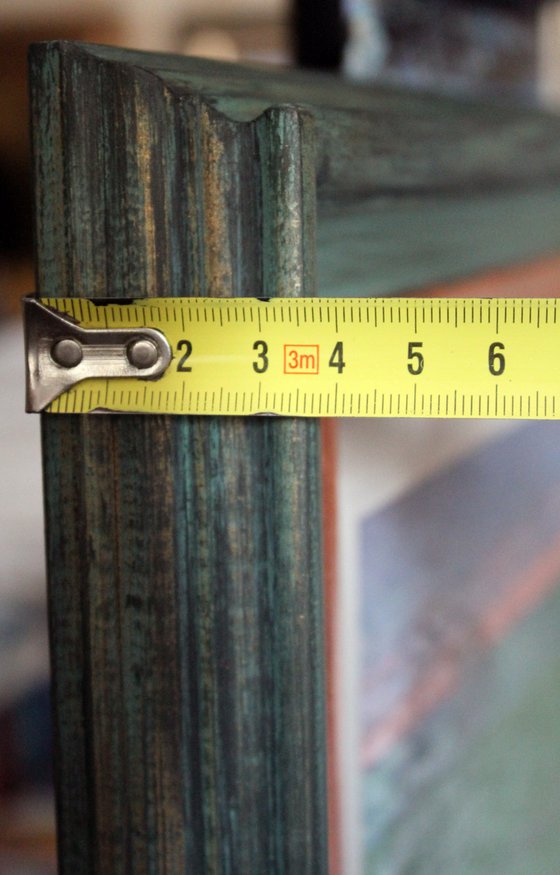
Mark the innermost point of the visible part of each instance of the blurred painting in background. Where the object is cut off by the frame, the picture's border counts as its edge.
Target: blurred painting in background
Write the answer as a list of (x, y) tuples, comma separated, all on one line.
[(460, 667), (485, 48), (26, 804)]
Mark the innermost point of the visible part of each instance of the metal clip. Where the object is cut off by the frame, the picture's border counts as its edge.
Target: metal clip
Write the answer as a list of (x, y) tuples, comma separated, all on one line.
[(60, 353)]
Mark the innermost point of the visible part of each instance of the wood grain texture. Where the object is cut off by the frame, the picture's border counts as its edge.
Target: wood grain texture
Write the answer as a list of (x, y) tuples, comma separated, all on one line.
[(373, 140), (183, 554), (413, 189)]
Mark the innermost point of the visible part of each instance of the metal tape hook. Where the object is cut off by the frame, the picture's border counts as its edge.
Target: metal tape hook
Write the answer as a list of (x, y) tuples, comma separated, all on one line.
[(60, 353)]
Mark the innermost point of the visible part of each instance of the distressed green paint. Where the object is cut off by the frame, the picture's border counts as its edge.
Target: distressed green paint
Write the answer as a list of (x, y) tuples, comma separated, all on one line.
[(411, 189), (416, 242), (183, 554)]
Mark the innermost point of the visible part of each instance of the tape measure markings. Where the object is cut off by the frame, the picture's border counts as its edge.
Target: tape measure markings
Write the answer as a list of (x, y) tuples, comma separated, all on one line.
[(407, 357)]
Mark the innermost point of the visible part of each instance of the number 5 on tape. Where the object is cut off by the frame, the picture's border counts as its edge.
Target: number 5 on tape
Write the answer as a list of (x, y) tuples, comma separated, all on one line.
[(411, 357)]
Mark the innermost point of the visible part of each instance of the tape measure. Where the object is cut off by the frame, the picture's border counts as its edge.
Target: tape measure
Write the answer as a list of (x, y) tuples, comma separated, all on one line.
[(388, 357)]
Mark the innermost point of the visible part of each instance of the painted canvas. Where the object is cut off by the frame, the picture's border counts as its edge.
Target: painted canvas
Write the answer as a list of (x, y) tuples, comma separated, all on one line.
[(458, 663)]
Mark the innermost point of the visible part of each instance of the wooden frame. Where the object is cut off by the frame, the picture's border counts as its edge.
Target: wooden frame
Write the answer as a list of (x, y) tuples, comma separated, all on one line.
[(537, 278), (184, 577), (184, 555)]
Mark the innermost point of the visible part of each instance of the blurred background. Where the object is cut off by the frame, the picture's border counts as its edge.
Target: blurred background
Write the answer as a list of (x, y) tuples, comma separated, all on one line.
[(506, 50)]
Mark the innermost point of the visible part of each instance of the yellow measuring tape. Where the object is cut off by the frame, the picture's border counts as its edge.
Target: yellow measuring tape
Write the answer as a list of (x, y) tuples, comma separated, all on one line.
[(410, 357)]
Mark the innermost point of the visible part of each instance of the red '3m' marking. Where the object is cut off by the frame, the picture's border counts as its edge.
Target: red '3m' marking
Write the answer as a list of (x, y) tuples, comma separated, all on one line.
[(301, 358)]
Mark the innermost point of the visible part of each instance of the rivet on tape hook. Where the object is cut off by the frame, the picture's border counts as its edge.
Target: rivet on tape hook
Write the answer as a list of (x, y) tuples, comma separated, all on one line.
[(60, 353)]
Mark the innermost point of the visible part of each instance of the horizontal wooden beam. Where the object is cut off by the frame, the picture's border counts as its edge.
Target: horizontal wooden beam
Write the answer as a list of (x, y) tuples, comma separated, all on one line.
[(373, 139)]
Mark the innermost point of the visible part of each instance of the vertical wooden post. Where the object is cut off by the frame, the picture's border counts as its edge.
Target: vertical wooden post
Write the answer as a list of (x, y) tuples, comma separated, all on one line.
[(184, 555)]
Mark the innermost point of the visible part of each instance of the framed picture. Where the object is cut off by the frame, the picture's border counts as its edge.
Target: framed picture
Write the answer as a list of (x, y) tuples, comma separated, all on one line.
[(446, 610)]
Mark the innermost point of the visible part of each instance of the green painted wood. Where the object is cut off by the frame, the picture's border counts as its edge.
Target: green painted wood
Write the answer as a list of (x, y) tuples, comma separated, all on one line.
[(412, 189), (412, 242), (184, 557)]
